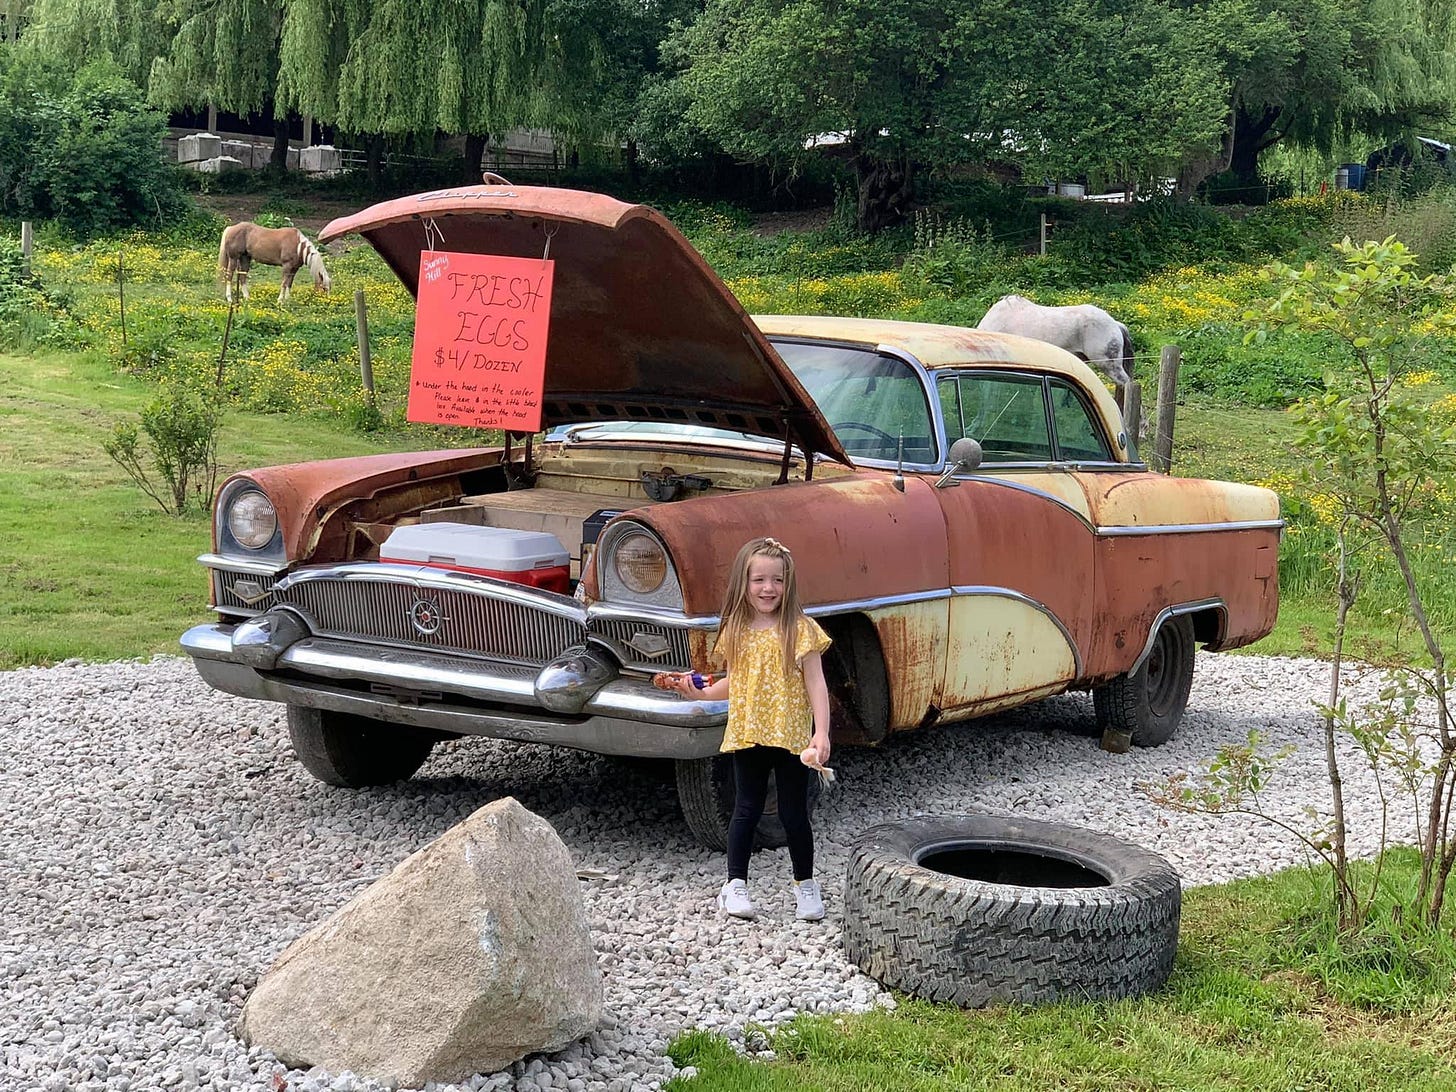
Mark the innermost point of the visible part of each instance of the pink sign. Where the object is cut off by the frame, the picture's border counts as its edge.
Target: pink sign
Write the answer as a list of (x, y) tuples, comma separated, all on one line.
[(480, 340)]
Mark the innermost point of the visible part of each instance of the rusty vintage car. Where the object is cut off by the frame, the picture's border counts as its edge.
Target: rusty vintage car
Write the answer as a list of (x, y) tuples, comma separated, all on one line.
[(970, 524)]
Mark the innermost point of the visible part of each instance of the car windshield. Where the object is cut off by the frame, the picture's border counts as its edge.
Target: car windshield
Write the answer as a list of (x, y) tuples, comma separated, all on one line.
[(872, 401)]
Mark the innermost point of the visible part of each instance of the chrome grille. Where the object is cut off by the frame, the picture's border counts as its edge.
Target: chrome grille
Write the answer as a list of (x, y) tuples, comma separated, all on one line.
[(471, 625), (621, 631), (226, 597)]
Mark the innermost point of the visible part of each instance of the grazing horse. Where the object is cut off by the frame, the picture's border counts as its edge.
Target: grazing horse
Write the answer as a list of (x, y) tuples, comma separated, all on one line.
[(246, 243), (1087, 331)]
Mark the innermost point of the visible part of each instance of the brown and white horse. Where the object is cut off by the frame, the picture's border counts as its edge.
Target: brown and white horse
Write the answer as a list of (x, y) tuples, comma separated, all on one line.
[(246, 243)]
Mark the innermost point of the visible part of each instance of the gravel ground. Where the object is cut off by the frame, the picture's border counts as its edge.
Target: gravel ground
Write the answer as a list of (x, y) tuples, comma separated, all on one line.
[(159, 847)]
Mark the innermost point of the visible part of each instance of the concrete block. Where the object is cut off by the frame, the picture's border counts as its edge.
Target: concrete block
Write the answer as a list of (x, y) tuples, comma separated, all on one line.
[(219, 165), (245, 153), (198, 146), (321, 157)]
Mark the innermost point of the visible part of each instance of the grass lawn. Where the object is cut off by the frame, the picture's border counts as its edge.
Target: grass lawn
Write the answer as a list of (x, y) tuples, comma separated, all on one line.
[(1243, 1010), (89, 566)]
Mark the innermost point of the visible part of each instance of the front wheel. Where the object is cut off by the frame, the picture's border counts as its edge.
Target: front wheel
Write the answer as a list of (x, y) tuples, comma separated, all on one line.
[(706, 792), (355, 752), (1148, 704)]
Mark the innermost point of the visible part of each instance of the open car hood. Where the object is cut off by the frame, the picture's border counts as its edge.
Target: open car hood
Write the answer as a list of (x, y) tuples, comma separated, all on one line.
[(641, 327)]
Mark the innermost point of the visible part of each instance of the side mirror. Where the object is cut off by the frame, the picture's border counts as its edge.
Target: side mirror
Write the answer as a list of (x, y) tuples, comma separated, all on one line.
[(965, 454)]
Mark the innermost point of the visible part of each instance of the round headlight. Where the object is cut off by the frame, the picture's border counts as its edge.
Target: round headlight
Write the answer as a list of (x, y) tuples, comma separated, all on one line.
[(641, 563), (252, 519)]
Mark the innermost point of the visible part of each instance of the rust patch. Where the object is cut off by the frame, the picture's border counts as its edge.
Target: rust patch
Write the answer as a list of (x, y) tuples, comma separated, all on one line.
[(870, 560)]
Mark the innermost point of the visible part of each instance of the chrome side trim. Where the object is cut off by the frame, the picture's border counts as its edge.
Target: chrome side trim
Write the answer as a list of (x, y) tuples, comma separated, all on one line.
[(1212, 603), (1035, 604), (847, 606), (620, 612), (242, 564), (1191, 528)]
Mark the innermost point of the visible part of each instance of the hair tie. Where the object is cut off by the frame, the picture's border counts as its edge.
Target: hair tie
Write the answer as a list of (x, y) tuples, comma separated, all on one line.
[(775, 544)]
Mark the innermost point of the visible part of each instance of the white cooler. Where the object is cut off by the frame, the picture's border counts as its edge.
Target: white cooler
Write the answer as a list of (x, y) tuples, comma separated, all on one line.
[(535, 558)]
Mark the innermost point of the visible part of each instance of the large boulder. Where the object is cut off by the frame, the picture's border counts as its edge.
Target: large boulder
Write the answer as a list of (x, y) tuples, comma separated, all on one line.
[(471, 954)]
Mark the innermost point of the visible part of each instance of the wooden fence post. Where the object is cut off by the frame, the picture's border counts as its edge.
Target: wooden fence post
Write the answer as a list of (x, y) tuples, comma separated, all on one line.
[(1043, 234), (121, 293), (1132, 412), (1167, 406), (227, 330), (27, 245), (361, 333)]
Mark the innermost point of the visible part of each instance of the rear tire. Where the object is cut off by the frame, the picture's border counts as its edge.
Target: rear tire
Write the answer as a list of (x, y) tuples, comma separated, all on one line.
[(355, 752), (705, 792), (1148, 704)]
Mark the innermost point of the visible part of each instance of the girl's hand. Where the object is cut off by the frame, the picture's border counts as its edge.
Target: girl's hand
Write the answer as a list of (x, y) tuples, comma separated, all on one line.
[(819, 744), (682, 682)]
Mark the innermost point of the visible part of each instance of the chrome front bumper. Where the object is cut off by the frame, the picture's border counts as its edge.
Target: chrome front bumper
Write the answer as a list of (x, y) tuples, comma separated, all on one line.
[(578, 700)]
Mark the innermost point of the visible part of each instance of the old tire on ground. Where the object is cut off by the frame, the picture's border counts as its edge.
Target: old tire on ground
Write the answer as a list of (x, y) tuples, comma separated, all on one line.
[(355, 752), (1148, 704), (980, 909), (705, 793)]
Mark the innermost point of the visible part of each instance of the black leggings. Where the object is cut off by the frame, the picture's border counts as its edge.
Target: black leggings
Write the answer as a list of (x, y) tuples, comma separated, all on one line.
[(751, 767)]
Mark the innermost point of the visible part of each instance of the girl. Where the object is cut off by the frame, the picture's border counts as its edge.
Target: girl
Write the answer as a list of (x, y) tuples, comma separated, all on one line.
[(772, 651)]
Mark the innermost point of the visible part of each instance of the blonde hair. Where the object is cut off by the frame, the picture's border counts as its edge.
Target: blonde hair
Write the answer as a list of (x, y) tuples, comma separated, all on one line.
[(738, 612)]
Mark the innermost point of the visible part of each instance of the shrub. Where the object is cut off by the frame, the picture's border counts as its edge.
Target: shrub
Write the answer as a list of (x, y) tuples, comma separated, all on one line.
[(82, 150), (181, 428)]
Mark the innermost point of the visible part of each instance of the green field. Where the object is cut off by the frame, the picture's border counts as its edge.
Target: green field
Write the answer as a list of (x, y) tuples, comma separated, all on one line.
[(89, 566)]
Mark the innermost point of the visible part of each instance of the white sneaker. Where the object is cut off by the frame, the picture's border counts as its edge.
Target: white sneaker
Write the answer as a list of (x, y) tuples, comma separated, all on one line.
[(810, 898), (733, 899)]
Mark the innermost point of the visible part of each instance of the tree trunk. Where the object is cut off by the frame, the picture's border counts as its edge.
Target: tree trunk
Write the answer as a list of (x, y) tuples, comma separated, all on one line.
[(629, 153), (474, 154), (374, 160), (1194, 172), (278, 160), (883, 189), (1250, 137)]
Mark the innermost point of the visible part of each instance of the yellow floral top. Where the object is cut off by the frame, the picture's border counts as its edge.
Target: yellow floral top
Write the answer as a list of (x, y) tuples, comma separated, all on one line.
[(767, 705)]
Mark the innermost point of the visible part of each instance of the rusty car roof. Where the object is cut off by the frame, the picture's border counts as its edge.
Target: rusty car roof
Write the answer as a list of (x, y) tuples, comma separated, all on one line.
[(641, 326)]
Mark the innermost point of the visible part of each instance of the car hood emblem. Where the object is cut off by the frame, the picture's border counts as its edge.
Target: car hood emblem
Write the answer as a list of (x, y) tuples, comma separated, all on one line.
[(426, 616)]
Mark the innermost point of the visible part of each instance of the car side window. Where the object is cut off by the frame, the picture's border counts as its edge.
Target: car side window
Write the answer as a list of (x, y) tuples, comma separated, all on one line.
[(1079, 434), (1006, 414), (950, 409)]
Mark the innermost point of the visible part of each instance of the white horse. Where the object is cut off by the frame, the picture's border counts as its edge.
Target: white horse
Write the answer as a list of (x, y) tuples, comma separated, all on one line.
[(1087, 331)]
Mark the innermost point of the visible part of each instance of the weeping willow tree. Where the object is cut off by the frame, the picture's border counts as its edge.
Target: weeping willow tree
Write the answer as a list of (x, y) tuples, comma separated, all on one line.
[(186, 53), (476, 68), (1313, 72), (133, 33), (399, 67)]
